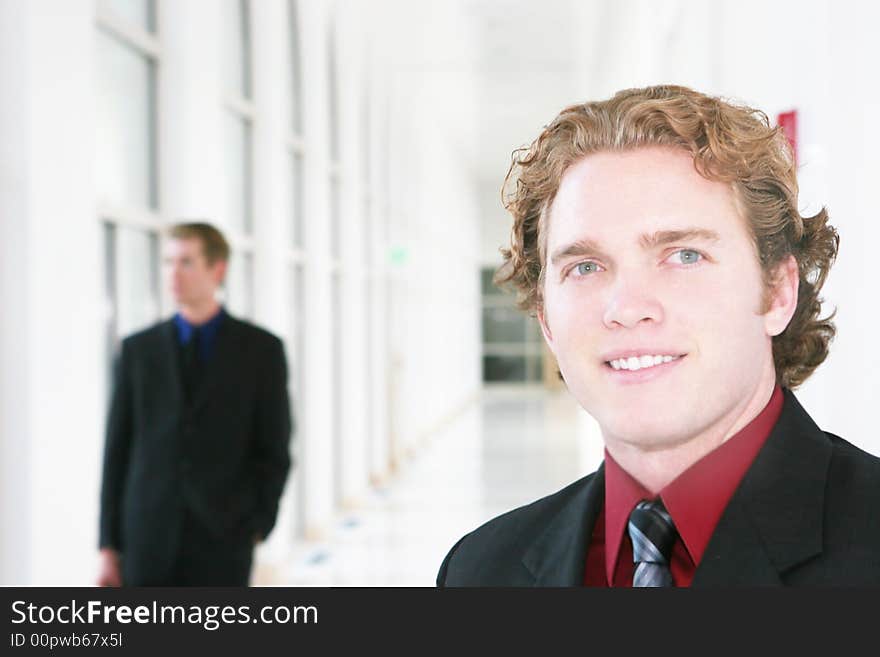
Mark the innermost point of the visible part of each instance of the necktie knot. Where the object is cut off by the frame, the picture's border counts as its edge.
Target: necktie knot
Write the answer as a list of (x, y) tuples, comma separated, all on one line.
[(653, 535)]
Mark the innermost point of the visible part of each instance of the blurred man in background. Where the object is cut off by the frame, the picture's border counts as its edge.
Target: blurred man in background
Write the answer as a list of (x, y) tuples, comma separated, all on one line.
[(196, 452), (658, 239)]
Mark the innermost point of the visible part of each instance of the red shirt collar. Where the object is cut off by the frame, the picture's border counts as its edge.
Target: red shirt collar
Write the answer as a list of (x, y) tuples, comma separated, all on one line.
[(711, 480)]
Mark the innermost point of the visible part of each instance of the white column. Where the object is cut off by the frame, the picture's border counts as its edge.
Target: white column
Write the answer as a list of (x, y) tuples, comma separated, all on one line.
[(380, 457), (273, 210), (15, 279), (354, 345), (316, 429), (52, 382), (190, 112)]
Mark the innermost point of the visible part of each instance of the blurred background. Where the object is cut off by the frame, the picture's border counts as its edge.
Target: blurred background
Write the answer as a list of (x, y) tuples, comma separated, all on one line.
[(353, 153)]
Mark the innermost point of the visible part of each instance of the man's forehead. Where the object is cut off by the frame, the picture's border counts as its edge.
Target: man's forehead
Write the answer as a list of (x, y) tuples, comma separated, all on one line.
[(184, 245), (645, 207)]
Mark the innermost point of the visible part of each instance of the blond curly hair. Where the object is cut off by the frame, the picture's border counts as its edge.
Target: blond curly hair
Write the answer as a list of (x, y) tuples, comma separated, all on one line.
[(730, 143)]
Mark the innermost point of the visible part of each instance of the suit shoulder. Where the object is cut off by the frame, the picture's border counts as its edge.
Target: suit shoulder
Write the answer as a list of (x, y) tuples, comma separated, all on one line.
[(507, 535), (853, 467), (256, 333), (145, 335), (845, 448)]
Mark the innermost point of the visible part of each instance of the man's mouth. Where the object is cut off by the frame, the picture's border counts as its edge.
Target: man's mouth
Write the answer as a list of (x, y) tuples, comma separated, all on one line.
[(634, 363)]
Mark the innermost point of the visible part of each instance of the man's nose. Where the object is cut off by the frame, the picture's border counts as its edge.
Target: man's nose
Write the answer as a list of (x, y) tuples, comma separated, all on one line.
[(632, 301)]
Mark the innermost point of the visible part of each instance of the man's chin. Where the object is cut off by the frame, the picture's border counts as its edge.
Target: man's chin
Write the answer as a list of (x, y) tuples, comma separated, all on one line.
[(648, 428)]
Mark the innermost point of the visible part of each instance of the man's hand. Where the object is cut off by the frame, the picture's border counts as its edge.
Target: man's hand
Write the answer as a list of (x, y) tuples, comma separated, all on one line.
[(109, 571)]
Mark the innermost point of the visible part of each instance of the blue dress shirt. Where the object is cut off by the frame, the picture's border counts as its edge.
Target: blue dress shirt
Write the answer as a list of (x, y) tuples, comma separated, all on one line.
[(208, 333)]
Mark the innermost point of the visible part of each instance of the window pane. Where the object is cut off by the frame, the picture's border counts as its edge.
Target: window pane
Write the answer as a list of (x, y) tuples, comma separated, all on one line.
[(503, 325), (534, 369), (125, 126), (533, 330), (238, 173), (297, 201), (504, 368), (368, 232), (240, 285), (486, 284), (369, 360), (137, 12), (366, 142), (295, 63), (111, 333), (335, 235), (236, 47), (132, 277), (336, 296), (332, 100), (298, 332)]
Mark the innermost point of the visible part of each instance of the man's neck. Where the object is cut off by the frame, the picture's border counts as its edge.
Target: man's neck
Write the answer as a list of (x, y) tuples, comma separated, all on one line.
[(656, 468), (198, 314)]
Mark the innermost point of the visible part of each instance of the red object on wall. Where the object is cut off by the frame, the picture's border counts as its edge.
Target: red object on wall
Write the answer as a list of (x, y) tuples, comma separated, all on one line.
[(788, 122)]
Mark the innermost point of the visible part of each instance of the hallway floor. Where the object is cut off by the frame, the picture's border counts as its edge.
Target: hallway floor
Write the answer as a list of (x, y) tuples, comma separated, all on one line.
[(508, 449)]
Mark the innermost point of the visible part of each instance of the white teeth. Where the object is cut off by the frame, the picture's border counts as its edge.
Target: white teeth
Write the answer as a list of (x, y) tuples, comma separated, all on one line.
[(634, 363)]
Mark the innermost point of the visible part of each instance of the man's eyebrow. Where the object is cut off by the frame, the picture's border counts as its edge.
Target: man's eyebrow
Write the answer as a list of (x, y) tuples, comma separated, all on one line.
[(661, 237), (647, 241), (577, 248)]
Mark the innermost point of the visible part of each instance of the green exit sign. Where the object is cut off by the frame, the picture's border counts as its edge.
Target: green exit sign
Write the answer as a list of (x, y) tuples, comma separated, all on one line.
[(398, 255)]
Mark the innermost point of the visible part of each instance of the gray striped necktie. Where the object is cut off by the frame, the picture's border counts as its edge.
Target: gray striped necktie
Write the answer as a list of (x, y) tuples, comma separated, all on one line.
[(653, 535)]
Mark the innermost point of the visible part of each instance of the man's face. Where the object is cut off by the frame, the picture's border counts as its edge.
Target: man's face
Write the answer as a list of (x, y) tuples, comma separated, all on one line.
[(191, 279), (645, 259)]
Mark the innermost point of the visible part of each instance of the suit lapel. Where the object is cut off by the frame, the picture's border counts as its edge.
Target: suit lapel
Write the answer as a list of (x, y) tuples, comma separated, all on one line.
[(168, 361), (558, 556), (774, 519), (227, 350)]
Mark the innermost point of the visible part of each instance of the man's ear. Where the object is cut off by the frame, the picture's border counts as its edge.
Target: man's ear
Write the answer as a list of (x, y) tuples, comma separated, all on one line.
[(220, 271), (784, 296), (545, 329)]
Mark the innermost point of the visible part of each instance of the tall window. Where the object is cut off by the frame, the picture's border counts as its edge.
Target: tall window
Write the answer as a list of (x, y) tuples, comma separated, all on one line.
[(127, 55), (335, 206), (369, 280), (512, 350), (297, 244), (238, 129)]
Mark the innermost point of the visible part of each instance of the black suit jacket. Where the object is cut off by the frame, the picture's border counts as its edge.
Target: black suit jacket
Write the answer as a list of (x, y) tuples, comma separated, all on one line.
[(807, 512), (224, 456)]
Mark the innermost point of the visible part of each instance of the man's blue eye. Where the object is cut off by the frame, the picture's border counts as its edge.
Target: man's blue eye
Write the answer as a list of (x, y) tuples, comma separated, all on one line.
[(586, 268), (689, 256)]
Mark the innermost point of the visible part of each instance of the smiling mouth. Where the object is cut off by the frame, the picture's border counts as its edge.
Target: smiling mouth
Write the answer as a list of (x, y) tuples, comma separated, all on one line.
[(636, 363)]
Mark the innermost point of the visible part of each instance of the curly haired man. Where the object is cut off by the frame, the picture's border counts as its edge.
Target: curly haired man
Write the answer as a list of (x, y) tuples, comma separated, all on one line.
[(658, 241)]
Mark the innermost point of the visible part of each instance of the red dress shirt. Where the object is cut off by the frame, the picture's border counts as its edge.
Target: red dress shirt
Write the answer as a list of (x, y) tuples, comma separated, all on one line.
[(695, 500)]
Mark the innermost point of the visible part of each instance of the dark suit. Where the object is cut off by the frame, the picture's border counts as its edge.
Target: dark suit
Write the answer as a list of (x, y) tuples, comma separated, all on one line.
[(189, 482), (805, 514)]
